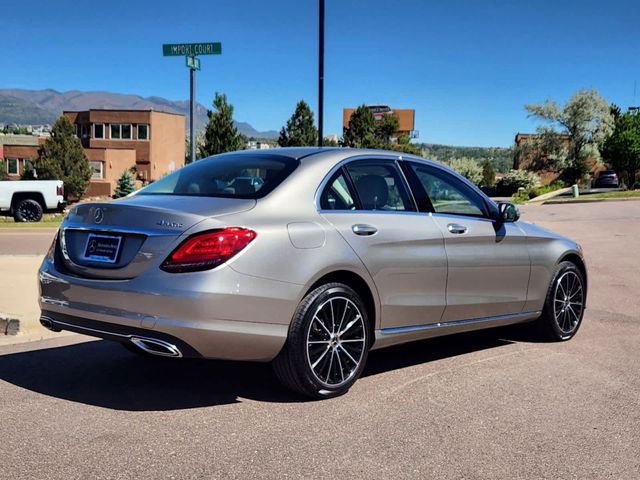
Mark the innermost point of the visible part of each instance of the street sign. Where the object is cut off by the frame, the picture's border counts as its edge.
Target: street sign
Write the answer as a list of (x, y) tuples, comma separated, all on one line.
[(191, 49), (193, 62), (190, 52)]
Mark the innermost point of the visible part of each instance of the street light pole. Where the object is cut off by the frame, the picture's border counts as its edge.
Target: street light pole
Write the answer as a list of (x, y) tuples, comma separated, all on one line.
[(320, 70)]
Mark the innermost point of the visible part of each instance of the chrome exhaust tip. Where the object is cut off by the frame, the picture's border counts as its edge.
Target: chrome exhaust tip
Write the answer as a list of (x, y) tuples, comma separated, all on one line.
[(156, 347), (48, 323)]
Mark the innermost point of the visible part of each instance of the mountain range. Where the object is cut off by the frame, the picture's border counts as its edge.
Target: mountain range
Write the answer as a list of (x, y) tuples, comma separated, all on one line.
[(37, 107)]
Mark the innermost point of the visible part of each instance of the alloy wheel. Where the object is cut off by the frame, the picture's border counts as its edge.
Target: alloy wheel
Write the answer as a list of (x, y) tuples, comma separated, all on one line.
[(28, 212), (568, 303), (336, 341)]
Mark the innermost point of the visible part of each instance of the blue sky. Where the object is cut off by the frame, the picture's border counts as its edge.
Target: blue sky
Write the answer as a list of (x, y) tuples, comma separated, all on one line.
[(467, 67)]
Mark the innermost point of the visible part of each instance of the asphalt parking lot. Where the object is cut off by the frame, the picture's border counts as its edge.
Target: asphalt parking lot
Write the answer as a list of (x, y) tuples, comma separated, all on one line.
[(494, 404)]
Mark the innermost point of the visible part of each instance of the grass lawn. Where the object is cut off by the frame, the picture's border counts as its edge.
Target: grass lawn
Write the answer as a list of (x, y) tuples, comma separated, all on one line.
[(8, 222), (596, 197), (627, 194)]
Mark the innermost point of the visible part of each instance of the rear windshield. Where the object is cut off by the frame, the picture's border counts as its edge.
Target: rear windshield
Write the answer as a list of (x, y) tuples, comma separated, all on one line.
[(229, 176)]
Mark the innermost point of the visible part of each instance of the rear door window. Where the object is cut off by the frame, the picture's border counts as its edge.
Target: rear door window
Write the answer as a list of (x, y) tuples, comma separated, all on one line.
[(337, 194), (379, 185)]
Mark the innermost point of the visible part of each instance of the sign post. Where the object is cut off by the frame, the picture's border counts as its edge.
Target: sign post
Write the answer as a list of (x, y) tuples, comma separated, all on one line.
[(191, 51)]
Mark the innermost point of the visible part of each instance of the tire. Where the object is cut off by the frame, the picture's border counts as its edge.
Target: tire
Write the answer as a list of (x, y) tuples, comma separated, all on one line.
[(564, 305), (332, 362), (27, 210)]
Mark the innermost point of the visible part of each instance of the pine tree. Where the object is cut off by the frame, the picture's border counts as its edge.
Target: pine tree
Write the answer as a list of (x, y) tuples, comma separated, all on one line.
[(361, 132), (28, 171), (125, 185), (488, 174), (62, 157), (387, 128), (221, 135), (300, 130)]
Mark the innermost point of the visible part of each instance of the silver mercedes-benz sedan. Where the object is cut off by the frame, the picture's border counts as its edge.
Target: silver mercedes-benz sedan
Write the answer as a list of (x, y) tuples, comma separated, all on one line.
[(308, 258)]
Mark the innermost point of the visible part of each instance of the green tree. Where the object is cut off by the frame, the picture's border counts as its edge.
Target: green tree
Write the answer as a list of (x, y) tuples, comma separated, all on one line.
[(361, 132), (300, 130), (330, 142), (221, 135), (488, 174), (62, 157), (387, 128), (125, 185), (586, 120), (29, 171), (622, 149)]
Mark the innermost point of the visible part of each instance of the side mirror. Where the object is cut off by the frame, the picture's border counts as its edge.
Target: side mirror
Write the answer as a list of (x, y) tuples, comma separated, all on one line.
[(508, 212)]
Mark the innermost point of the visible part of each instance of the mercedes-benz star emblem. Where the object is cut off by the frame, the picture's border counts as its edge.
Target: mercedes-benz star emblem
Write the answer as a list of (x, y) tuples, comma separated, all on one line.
[(98, 216)]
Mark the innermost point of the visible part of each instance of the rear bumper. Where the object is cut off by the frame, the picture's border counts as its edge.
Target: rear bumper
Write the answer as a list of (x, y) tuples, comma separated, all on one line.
[(218, 314)]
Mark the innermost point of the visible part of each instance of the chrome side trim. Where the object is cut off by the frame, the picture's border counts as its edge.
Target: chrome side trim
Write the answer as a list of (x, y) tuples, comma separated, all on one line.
[(87, 329), (117, 229), (458, 323)]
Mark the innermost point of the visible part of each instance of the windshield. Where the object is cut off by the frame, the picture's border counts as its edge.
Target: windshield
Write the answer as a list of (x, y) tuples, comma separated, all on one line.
[(229, 176)]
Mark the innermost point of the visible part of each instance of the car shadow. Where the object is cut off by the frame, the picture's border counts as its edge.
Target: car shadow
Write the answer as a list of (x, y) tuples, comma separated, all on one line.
[(103, 374)]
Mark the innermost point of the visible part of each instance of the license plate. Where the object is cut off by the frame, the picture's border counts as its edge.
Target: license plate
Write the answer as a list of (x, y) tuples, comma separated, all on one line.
[(102, 248)]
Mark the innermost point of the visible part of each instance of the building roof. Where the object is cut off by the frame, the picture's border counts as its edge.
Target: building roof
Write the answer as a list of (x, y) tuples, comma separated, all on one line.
[(123, 110), (21, 140)]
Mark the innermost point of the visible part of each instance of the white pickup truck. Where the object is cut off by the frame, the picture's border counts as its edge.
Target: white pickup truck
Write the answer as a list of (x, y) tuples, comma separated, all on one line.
[(26, 200)]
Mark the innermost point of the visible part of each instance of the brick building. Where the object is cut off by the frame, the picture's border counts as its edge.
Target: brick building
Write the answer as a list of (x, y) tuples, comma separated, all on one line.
[(526, 145), (114, 141), (16, 151)]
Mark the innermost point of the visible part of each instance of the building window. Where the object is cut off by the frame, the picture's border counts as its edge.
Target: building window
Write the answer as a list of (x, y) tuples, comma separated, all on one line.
[(98, 130), (12, 166), (97, 168), (121, 131), (84, 131), (143, 131)]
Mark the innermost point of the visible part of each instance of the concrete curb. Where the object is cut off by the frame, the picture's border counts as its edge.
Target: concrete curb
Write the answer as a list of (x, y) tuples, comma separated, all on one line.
[(593, 200)]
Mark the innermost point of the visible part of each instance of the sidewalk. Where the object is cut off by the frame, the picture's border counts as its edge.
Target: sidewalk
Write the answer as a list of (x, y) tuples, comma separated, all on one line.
[(19, 299)]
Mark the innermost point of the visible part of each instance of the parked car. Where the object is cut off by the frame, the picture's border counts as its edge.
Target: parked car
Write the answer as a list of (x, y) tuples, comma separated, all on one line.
[(607, 179), (337, 252), (26, 200)]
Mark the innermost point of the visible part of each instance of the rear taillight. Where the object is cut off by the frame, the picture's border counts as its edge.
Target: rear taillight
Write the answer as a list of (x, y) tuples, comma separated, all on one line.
[(52, 247), (207, 250), (60, 190)]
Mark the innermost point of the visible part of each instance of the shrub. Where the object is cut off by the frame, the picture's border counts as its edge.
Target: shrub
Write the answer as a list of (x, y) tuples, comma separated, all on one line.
[(468, 168), (125, 185), (515, 179)]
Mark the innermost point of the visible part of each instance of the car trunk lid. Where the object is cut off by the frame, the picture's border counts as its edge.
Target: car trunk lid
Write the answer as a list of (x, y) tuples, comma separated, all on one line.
[(121, 239)]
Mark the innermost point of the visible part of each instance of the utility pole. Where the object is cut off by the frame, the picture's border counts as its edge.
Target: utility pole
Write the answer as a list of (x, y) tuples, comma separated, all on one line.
[(320, 71)]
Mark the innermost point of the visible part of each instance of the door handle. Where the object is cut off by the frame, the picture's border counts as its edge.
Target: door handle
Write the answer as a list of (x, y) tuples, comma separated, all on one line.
[(457, 228), (364, 230)]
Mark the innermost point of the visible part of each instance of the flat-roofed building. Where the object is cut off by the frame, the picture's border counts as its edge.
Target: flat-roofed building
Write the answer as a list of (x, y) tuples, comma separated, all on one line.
[(116, 140), (16, 151)]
